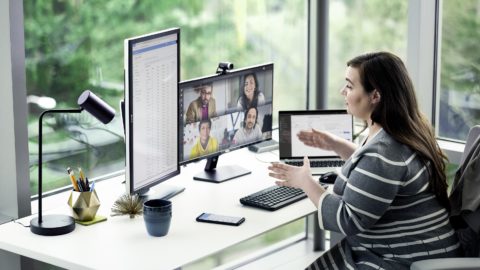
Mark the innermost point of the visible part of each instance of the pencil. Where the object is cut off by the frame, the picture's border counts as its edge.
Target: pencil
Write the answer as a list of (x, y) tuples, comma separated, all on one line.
[(82, 176), (82, 179), (74, 182)]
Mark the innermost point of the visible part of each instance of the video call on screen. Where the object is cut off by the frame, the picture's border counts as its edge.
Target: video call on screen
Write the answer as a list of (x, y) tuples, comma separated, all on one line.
[(217, 103)]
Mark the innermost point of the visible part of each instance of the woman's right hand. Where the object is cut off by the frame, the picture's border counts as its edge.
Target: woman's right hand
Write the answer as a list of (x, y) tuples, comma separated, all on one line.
[(316, 138)]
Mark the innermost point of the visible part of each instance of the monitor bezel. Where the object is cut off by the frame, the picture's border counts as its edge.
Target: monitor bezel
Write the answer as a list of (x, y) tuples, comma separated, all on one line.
[(128, 96), (215, 77)]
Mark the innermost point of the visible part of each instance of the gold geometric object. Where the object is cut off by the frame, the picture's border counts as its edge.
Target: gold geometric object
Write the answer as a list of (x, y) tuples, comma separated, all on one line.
[(84, 205)]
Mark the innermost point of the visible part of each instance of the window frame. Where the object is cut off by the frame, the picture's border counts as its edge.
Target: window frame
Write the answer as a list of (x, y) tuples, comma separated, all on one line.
[(423, 60), (423, 57)]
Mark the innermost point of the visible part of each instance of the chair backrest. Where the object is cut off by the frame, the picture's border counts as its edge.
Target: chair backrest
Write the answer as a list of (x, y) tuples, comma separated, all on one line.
[(473, 134), (471, 239)]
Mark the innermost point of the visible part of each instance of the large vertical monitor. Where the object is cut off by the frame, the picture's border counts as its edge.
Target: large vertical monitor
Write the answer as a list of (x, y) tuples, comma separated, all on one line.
[(151, 112), (224, 112)]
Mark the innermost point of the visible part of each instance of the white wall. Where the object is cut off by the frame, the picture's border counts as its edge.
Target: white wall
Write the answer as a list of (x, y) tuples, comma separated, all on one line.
[(14, 192), (8, 204), (14, 180)]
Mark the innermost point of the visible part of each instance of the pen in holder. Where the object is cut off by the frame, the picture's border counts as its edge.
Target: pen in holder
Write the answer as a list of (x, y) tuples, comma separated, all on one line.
[(84, 204)]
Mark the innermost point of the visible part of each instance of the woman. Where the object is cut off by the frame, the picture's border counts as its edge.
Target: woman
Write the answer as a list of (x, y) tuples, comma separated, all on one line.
[(390, 197), (251, 96)]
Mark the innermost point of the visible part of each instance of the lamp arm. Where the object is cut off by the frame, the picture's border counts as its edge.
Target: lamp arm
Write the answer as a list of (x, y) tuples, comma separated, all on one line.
[(40, 153)]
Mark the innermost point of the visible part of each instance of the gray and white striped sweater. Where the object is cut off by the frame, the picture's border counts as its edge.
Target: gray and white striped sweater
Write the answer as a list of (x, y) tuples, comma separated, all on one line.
[(382, 203)]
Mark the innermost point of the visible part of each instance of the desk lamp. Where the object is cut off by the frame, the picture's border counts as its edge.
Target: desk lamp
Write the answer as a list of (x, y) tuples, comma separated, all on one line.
[(62, 224)]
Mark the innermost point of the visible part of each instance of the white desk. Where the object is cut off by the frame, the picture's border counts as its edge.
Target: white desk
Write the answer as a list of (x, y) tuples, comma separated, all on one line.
[(123, 243)]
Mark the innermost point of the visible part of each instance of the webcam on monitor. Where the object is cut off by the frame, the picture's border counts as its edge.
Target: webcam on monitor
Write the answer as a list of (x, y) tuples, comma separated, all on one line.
[(223, 67)]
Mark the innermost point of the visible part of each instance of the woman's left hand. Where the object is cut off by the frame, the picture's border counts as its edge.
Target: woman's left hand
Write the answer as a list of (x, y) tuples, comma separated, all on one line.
[(291, 176)]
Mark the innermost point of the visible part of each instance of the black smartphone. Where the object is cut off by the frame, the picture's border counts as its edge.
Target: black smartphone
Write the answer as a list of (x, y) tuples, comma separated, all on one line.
[(220, 219)]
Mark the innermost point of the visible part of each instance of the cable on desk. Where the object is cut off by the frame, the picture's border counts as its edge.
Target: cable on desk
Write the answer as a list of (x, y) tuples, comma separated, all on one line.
[(15, 221), (266, 161)]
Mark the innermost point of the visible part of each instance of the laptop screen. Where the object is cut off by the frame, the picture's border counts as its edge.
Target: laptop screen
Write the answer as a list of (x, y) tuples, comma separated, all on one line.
[(337, 122)]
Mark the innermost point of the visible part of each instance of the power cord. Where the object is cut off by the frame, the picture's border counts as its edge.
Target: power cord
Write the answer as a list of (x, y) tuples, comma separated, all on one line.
[(25, 226), (266, 161)]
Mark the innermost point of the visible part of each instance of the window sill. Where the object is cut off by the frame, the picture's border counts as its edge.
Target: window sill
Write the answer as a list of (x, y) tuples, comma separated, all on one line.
[(453, 150)]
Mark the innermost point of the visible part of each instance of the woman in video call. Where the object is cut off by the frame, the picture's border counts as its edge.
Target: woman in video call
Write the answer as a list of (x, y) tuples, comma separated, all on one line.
[(251, 96), (390, 197), (205, 143)]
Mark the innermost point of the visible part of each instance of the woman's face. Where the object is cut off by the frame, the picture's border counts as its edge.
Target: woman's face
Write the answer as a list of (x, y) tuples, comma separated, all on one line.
[(358, 101), (249, 87)]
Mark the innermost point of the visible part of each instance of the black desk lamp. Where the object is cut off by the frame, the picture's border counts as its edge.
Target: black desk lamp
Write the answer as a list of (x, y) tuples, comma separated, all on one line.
[(62, 224)]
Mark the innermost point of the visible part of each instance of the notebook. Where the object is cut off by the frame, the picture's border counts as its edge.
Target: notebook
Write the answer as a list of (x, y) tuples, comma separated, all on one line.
[(292, 150)]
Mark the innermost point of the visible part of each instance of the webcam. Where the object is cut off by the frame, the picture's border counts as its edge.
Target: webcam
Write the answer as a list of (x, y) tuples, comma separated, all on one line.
[(223, 67)]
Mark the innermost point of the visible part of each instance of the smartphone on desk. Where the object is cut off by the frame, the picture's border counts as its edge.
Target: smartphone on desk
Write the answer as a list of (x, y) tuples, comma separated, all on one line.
[(220, 219)]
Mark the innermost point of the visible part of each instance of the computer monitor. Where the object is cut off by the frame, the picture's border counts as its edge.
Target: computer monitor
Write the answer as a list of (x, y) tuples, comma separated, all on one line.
[(224, 112), (151, 121)]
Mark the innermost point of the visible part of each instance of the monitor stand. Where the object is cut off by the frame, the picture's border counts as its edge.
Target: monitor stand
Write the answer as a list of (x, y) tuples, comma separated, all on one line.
[(220, 174), (161, 191)]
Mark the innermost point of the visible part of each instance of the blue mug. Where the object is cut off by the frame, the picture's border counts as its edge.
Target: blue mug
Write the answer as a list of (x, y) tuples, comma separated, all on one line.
[(157, 215)]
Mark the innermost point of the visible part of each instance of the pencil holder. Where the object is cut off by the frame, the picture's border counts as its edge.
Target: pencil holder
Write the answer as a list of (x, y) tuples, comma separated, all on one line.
[(84, 205)]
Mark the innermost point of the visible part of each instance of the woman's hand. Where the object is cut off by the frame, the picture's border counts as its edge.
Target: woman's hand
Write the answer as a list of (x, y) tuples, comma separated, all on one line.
[(291, 176), (320, 139)]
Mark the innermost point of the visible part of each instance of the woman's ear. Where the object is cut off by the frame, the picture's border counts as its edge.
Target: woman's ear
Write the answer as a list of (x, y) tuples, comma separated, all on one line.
[(375, 96)]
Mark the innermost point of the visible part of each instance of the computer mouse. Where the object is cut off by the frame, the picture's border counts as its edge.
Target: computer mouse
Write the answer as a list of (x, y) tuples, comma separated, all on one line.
[(328, 178)]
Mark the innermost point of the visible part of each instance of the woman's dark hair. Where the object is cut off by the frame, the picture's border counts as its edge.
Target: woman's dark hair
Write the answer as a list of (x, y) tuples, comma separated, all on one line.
[(399, 115), (243, 98)]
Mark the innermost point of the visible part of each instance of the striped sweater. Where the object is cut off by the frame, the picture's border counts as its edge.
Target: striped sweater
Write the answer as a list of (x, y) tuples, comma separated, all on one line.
[(382, 203)]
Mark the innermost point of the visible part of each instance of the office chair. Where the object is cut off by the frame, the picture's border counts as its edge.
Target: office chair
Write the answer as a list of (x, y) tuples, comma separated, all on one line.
[(463, 263)]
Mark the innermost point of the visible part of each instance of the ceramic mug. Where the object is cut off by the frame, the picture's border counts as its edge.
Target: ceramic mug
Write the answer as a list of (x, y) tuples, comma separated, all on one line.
[(157, 215)]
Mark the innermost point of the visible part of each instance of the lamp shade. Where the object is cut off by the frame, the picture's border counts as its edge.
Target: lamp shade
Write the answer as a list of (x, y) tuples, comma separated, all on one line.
[(96, 106)]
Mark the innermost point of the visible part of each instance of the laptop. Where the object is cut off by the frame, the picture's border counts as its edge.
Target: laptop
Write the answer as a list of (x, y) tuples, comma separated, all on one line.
[(292, 150)]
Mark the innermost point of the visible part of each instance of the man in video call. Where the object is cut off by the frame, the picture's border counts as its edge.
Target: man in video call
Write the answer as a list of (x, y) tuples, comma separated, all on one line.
[(205, 143), (250, 131), (204, 106)]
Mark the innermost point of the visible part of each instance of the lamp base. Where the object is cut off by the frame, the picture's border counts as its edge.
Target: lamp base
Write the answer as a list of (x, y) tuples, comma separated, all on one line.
[(52, 225)]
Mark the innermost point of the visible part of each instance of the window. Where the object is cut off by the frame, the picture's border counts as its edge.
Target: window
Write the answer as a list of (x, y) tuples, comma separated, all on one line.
[(357, 27), (76, 45), (458, 107)]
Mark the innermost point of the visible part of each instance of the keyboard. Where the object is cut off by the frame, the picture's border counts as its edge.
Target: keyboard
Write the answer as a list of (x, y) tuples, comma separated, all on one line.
[(318, 163), (273, 198)]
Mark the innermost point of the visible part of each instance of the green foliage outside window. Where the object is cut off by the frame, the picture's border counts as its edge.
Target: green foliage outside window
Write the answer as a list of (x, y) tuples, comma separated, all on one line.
[(459, 89), (71, 46), (361, 26)]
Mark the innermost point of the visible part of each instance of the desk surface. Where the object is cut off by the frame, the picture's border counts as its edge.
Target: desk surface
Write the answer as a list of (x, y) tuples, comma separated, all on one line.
[(123, 243)]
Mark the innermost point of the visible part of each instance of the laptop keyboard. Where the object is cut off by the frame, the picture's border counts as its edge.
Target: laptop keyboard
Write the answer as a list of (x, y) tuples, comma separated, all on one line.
[(318, 163), (273, 198)]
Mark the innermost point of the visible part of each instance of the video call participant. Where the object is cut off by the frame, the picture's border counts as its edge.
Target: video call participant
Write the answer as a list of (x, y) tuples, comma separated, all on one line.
[(205, 143), (250, 95), (390, 198), (204, 106), (251, 131)]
